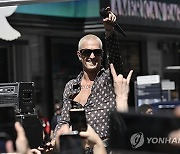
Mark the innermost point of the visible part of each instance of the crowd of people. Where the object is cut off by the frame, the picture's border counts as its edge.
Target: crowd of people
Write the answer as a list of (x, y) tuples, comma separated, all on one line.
[(97, 90), (48, 126)]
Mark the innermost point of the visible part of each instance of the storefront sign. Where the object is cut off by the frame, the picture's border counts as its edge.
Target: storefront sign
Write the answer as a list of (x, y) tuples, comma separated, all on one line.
[(146, 9)]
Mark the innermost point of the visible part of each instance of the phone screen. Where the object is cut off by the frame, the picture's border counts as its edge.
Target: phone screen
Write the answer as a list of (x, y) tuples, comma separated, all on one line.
[(71, 144), (78, 119), (7, 121), (149, 133)]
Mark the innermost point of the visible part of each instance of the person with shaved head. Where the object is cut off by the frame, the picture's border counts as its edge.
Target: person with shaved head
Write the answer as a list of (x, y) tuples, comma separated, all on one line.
[(97, 90)]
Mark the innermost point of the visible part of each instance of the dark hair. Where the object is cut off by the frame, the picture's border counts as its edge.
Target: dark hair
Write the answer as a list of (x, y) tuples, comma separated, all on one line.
[(57, 106), (143, 108)]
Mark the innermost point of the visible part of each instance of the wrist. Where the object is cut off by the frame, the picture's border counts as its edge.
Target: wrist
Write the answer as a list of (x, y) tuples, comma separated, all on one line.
[(122, 104), (108, 32), (99, 143), (121, 98), (122, 108)]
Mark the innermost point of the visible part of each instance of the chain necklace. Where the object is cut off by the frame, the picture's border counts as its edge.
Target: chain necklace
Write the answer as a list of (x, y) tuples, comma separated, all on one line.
[(86, 86)]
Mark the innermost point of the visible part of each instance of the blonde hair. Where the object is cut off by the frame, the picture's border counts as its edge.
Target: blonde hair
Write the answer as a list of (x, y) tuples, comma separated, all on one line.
[(89, 37)]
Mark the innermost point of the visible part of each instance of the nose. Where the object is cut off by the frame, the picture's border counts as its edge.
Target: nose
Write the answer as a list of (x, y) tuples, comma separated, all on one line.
[(92, 55)]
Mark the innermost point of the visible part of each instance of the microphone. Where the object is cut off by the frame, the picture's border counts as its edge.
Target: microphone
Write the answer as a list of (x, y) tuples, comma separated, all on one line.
[(104, 13)]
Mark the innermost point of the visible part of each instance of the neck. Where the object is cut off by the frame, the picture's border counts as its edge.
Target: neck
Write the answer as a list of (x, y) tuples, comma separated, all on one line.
[(89, 76)]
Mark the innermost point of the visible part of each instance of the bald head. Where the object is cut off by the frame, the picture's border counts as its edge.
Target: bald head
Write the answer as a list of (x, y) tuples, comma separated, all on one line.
[(89, 37)]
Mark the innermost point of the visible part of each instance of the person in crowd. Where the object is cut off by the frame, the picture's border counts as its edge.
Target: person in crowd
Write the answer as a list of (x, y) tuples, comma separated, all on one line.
[(22, 145), (56, 117), (45, 125), (145, 109), (96, 89)]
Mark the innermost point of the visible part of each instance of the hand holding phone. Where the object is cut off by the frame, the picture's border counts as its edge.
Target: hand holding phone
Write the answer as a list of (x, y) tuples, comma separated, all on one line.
[(71, 143)]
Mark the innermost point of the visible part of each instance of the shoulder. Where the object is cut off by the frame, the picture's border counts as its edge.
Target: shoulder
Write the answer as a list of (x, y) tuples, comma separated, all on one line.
[(69, 83), (68, 86), (107, 73), (74, 81)]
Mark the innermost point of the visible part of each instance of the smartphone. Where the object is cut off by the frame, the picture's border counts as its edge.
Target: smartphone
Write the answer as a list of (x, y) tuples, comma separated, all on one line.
[(78, 120), (7, 121), (135, 132), (71, 143)]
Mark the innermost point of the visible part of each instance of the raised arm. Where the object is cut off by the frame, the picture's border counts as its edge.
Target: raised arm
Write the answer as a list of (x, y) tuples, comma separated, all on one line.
[(112, 43)]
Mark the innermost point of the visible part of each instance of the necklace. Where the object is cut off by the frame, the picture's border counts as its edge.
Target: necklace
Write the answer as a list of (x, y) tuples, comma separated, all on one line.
[(86, 86)]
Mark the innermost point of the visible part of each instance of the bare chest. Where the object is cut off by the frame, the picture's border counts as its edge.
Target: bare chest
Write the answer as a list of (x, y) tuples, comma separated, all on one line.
[(82, 96)]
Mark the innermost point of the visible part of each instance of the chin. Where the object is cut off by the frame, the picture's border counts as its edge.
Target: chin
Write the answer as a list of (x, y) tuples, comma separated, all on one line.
[(92, 68)]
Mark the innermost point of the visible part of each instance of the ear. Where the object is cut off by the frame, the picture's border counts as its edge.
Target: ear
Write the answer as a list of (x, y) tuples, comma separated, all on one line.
[(79, 55)]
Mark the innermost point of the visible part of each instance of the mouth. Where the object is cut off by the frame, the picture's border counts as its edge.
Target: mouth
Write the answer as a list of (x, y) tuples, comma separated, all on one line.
[(92, 62)]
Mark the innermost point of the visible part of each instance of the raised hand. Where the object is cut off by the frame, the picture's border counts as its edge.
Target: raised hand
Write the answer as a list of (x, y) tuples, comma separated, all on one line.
[(108, 21), (121, 89)]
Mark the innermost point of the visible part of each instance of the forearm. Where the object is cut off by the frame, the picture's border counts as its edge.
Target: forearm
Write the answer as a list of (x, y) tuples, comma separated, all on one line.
[(64, 116), (58, 127), (114, 52)]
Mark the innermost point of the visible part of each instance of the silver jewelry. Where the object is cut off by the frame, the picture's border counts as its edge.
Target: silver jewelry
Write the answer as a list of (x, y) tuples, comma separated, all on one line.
[(85, 86)]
